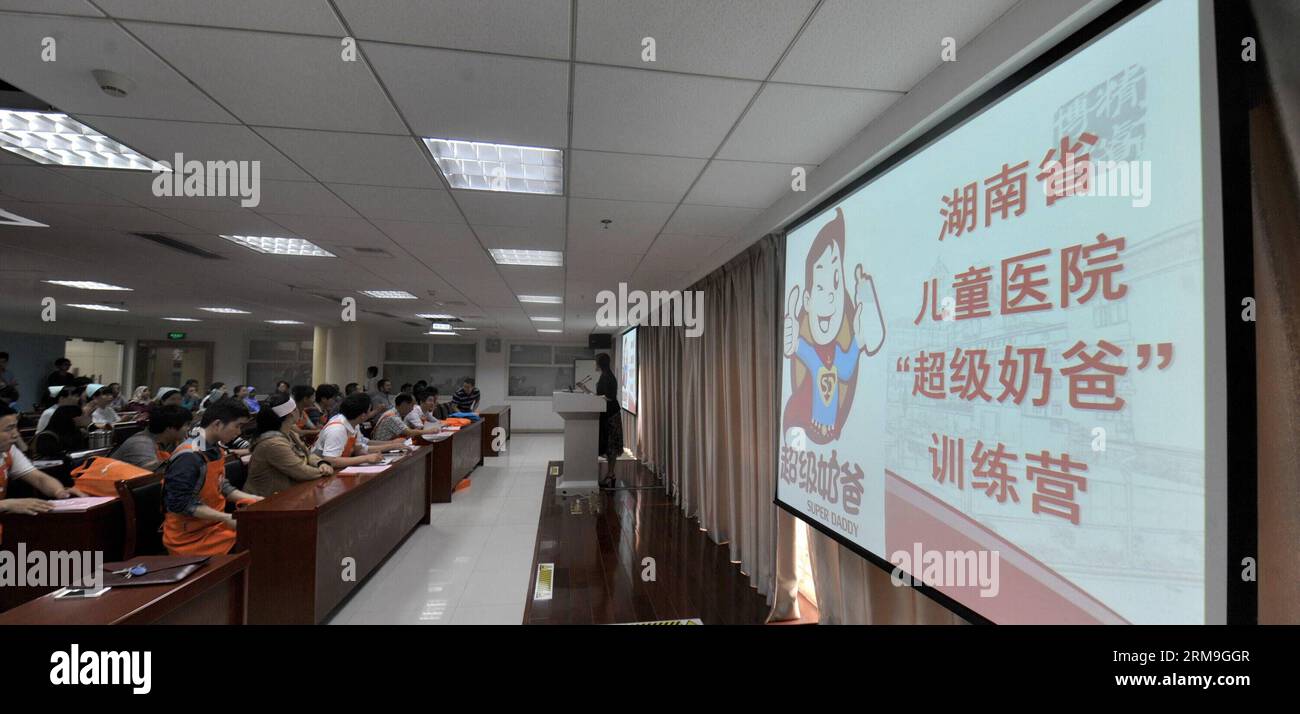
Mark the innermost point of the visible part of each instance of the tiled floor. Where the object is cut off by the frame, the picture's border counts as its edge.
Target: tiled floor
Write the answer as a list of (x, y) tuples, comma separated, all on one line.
[(473, 563)]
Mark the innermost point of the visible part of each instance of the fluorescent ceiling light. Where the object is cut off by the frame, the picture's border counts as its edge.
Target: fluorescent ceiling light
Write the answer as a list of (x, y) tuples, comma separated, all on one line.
[(102, 308), (281, 246), (85, 285), (181, 319), (464, 329), (225, 310), (13, 219), (437, 316), (283, 322), (555, 331), (55, 138), (511, 256), (483, 166), (548, 319), (440, 326), (542, 299), (389, 294), (440, 332)]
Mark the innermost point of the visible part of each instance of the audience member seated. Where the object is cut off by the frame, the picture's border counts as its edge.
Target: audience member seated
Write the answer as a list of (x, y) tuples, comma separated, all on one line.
[(392, 423), (280, 459), (14, 465), (304, 396), (216, 391), (9, 397), (99, 406), (190, 398), (61, 434), (245, 395), (195, 490), (424, 415), (169, 397), (7, 378), (341, 443), (64, 397), (141, 399), (350, 389), (467, 397), (150, 448), (281, 387), (383, 393), (325, 406), (119, 399)]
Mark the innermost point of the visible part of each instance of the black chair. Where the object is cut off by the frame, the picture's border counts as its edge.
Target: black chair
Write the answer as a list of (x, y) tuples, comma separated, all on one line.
[(236, 472), (142, 508)]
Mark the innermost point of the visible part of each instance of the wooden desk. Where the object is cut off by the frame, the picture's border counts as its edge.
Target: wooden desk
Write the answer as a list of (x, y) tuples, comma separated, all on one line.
[(98, 528), (453, 459), (492, 418), (215, 594), (299, 537)]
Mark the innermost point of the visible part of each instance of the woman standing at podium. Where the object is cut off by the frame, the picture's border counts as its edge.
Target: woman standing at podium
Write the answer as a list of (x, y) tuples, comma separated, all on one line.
[(611, 424)]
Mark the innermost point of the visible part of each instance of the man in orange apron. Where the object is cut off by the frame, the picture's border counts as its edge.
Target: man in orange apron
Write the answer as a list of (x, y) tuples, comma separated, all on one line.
[(195, 489), (341, 443), (13, 464)]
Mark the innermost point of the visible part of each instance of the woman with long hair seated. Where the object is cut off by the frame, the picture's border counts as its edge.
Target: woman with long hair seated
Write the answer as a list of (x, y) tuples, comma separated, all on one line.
[(280, 458)]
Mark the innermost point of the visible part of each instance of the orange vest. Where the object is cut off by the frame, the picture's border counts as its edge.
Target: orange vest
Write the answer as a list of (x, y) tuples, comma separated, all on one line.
[(352, 438), (192, 536), (4, 482)]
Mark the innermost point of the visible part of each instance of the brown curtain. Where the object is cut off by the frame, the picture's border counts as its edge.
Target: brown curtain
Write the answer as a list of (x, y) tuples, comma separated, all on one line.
[(708, 427), (1274, 157), (707, 424)]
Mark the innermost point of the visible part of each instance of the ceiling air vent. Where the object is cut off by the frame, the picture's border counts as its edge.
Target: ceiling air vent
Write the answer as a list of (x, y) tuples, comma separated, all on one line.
[(180, 246), (370, 252)]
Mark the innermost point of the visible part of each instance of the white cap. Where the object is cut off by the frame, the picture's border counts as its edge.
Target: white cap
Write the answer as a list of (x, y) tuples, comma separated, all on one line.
[(284, 410), (92, 388), (164, 391)]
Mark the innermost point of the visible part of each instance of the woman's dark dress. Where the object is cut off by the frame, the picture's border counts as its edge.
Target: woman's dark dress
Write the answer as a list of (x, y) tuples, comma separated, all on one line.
[(611, 425)]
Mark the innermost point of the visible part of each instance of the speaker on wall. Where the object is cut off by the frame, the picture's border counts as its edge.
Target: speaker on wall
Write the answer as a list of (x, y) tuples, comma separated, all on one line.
[(600, 341)]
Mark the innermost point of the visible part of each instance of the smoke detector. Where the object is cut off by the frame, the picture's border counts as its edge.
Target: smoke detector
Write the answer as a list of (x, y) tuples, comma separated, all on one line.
[(113, 84)]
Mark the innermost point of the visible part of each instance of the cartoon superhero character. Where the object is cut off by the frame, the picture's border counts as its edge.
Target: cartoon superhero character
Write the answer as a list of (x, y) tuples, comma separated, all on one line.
[(826, 330)]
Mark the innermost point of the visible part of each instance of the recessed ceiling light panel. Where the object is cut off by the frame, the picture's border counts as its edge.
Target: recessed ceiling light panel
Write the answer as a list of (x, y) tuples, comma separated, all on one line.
[(85, 285), (484, 166), (280, 246), (513, 256), (58, 139), (389, 294), (101, 308)]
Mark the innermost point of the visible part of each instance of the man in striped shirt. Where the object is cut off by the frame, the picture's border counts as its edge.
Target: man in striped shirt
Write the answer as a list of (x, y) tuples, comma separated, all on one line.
[(467, 397)]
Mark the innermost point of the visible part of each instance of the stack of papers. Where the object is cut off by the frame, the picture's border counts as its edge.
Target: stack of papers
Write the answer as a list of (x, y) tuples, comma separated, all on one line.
[(365, 469), (79, 504)]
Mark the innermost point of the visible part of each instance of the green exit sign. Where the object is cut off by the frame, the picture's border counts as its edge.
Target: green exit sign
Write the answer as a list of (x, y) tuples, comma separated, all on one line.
[(175, 335)]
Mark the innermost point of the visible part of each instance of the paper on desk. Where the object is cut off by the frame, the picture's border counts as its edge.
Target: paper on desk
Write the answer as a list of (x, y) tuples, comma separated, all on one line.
[(451, 428), (79, 504), (366, 469), (436, 437)]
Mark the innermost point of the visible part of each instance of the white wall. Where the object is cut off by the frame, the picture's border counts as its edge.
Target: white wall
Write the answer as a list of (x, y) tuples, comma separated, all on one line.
[(526, 413), (230, 343)]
